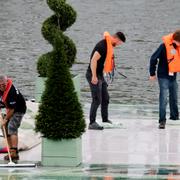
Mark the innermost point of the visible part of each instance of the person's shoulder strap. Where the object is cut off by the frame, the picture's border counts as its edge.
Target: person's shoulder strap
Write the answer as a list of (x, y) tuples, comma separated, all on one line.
[(6, 92)]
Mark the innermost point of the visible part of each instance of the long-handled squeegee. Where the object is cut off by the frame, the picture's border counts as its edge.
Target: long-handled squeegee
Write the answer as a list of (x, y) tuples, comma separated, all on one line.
[(11, 164)]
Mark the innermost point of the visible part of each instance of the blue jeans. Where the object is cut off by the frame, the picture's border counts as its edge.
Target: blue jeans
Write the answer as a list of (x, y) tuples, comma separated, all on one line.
[(168, 86)]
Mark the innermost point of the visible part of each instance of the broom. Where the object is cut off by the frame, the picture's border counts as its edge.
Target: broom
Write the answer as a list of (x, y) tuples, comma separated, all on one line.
[(11, 164)]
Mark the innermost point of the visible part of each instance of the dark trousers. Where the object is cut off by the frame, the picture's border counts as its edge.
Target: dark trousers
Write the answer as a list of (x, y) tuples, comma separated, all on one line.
[(166, 87), (100, 96)]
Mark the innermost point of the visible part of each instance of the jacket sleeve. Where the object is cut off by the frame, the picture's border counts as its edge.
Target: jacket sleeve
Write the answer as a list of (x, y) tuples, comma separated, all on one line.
[(154, 60), (12, 98)]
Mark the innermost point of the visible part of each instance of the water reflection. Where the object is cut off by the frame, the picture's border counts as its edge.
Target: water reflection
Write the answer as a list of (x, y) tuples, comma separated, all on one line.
[(98, 172)]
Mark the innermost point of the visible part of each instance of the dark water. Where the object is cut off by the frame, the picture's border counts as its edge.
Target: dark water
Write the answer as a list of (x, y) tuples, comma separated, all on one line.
[(143, 21)]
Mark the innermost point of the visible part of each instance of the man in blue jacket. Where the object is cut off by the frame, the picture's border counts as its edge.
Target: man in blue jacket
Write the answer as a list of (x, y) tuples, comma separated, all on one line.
[(167, 83)]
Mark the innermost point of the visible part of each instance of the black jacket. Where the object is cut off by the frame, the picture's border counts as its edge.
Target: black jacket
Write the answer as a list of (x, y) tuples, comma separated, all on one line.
[(159, 61)]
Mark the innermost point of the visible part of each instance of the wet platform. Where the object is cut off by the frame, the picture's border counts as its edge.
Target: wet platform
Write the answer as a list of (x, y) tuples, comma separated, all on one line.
[(132, 148), (95, 172)]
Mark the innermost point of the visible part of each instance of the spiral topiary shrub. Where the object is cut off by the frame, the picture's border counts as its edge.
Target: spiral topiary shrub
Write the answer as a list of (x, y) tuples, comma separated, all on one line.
[(60, 114)]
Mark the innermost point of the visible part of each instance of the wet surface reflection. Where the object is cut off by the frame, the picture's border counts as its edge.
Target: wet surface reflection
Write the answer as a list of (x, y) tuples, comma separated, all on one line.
[(96, 172)]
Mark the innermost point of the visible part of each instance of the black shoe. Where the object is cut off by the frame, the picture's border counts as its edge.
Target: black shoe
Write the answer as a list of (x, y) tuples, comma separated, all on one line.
[(14, 155), (95, 126), (107, 121), (174, 118), (162, 125)]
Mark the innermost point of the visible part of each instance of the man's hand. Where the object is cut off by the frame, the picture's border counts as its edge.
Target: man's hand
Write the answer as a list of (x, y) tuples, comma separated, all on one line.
[(152, 78), (94, 80)]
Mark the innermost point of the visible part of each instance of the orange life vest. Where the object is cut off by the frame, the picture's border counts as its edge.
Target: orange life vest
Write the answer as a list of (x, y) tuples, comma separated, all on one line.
[(109, 61), (5, 93), (173, 55)]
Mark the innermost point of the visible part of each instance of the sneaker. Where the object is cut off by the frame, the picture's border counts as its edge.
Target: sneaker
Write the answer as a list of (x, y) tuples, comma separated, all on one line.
[(107, 121), (95, 126), (162, 125), (14, 155)]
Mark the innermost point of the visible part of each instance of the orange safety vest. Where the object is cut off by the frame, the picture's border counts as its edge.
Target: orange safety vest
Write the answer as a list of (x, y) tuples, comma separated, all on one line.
[(5, 93), (173, 55), (109, 61)]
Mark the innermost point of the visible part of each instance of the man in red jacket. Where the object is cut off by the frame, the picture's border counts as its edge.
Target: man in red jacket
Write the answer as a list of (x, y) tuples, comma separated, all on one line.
[(15, 105)]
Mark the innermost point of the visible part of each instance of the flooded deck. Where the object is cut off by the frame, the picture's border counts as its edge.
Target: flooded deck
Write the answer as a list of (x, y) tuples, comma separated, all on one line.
[(132, 148)]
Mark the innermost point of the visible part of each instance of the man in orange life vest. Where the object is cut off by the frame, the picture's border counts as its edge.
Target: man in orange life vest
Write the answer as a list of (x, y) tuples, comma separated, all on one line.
[(15, 106), (167, 56), (101, 61)]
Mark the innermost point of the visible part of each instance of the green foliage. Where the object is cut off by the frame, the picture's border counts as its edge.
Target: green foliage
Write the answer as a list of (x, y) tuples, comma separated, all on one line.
[(60, 113), (49, 29), (64, 12), (70, 52), (43, 64)]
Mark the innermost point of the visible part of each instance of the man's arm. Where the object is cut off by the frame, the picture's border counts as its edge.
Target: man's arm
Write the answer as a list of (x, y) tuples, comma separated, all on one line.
[(93, 65), (8, 116), (154, 61), (11, 104)]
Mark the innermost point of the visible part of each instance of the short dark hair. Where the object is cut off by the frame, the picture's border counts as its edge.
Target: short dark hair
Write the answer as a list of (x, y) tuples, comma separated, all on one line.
[(121, 36), (176, 35)]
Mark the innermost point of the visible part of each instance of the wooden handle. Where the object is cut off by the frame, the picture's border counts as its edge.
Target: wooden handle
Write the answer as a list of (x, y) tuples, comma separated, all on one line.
[(5, 135)]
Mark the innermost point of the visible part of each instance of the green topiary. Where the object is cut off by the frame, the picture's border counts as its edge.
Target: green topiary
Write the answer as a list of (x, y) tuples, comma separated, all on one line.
[(43, 64), (60, 114), (64, 17)]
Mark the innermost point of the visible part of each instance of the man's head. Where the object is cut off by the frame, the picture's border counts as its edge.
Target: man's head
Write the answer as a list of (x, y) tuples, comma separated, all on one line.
[(118, 38), (176, 38), (3, 83)]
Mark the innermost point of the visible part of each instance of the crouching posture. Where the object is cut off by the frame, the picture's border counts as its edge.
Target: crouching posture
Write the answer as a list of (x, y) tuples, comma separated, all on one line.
[(15, 105)]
